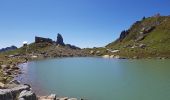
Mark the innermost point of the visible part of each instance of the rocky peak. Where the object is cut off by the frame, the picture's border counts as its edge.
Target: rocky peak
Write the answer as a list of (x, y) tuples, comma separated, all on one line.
[(60, 40)]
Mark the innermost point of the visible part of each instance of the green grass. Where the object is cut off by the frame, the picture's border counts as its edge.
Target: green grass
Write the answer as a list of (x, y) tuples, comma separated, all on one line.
[(157, 41)]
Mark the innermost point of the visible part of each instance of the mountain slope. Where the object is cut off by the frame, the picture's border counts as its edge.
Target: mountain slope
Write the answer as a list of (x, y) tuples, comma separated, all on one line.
[(149, 37)]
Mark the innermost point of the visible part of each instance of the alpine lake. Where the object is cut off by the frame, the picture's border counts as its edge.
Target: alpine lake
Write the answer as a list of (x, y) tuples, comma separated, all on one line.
[(95, 78)]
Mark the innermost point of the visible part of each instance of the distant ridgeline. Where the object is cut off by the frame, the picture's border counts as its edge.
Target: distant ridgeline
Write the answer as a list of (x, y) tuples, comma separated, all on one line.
[(59, 41), (8, 49)]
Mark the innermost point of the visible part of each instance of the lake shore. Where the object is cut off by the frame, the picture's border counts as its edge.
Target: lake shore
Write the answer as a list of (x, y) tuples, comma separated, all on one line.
[(11, 89), (10, 69)]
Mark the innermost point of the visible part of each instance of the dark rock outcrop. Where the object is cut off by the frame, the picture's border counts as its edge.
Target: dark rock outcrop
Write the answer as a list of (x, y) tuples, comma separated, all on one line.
[(60, 40), (8, 48), (123, 35), (43, 40)]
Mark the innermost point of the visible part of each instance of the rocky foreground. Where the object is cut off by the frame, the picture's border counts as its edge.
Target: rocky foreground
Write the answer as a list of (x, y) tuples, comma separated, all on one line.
[(16, 91), (11, 89)]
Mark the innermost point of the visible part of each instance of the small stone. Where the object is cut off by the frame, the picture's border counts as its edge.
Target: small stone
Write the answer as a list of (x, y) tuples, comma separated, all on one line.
[(52, 97)]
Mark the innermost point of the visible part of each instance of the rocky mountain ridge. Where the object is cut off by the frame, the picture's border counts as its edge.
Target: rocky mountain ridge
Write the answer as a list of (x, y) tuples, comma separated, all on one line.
[(48, 48), (8, 48), (147, 38)]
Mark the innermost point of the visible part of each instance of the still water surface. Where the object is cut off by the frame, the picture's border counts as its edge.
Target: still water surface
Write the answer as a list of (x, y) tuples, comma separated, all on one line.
[(99, 78)]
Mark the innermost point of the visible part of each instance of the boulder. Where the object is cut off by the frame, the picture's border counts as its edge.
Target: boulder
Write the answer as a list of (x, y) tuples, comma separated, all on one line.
[(106, 56), (5, 66), (112, 56), (21, 99), (117, 57), (33, 57), (91, 52), (52, 97), (14, 82), (27, 95), (64, 98), (142, 46), (115, 51), (5, 94), (2, 85), (18, 89), (140, 37), (72, 99), (97, 52)]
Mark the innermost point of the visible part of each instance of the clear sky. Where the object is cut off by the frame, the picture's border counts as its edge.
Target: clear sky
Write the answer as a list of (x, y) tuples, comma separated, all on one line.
[(85, 23)]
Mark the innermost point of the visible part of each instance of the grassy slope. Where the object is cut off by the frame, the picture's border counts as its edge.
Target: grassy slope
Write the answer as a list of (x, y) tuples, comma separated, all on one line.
[(157, 41)]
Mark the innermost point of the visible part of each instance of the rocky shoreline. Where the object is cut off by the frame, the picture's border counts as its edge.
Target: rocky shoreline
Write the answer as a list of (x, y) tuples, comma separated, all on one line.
[(11, 89), (17, 91)]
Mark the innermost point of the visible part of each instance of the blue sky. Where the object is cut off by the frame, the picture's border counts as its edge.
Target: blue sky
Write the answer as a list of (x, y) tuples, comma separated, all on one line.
[(85, 23)]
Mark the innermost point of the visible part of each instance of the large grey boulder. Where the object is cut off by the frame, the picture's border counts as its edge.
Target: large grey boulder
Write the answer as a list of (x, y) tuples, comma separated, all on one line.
[(27, 95), (5, 95), (52, 97), (11, 94)]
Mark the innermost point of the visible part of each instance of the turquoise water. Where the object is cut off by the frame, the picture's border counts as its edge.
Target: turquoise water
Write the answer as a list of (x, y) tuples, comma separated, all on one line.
[(99, 78)]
